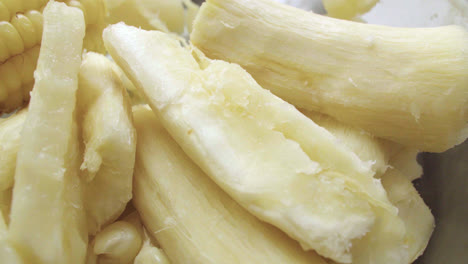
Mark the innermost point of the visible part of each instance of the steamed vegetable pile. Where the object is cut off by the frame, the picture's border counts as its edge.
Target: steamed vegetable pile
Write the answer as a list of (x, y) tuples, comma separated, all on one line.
[(274, 135)]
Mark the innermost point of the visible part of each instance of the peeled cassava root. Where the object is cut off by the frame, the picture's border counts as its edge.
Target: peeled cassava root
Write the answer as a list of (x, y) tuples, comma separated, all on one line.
[(191, 217), (396, 167), (106, 123), (405, 85), (48, 223), (270, 158)]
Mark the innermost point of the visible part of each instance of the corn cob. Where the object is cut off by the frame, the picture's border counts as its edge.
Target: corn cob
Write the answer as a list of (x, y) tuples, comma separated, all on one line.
[(17, 79), (258, 148), (192, 218), (21, 33), (110, 140), (117, 243), (20, 38), (9, 8), (415, 93), (348, 9), (47, 222)]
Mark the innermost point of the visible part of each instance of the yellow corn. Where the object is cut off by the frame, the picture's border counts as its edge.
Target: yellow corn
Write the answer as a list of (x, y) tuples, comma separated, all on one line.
[(17, 79), (9, 8), (20, 38)]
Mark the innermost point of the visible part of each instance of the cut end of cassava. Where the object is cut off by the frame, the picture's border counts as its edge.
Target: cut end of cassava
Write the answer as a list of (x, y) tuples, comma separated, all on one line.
[(328, 65)]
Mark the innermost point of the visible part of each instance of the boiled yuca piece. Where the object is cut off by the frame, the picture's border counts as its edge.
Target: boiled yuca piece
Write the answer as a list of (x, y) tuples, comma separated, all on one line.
[(417, 217), (392, 246), (10, 141), (165, 15), (149, 252), (348, 9), (8, 253), (367, 147), (118, 242), (274, 161), (48, 223), (110, 141), (405, 85), (386, 242), (403, 159), (191, 217)]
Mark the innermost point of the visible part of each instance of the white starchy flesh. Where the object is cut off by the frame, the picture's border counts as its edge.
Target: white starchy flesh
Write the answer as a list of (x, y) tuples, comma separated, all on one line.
[(135, 96), (365, 146), (117, 243), (190, 216), (404, 160), (10, 140), (348, 9), (402, 84), (269, 157), (8, 253), (47, 216), (110, 141), (416, 215), (150, 254), (386, 242), (164, 15)]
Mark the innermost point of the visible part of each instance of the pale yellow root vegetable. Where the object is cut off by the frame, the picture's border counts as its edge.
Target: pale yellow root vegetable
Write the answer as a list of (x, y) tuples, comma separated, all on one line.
[(403, 159), (48, 223), (117, 243), (135, 96), (149, 252), (270, 158), (8, 253), (367, 147), (192, 218), (164, 15), (348, 9), (416, 215), (403, 84), (110, 141), (10, 141)]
